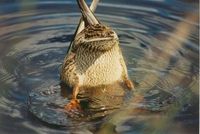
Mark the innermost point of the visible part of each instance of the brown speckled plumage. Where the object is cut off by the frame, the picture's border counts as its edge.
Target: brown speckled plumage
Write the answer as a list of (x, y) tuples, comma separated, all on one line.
[(96, 62), (95, 57)]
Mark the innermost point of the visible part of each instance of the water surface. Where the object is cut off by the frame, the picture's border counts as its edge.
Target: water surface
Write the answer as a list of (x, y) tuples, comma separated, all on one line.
[(159, 41)]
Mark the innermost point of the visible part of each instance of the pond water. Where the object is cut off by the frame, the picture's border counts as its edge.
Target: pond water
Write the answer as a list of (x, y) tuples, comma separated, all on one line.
[(160, 44)]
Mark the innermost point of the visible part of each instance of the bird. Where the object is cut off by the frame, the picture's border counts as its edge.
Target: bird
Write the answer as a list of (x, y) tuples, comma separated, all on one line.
[(94, 57)]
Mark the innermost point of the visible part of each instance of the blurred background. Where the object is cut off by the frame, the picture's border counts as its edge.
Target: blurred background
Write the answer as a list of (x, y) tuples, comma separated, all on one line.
[(159, 41)]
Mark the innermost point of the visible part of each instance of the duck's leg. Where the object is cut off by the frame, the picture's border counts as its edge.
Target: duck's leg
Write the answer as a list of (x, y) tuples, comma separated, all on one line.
[(69, 70), (69, 75), (74, 102)]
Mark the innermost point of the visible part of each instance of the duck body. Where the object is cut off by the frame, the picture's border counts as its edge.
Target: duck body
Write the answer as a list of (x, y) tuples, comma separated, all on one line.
[(95, 59)]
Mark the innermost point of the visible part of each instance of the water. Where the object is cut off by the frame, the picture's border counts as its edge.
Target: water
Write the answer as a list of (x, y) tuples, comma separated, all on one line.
[(159, 40)]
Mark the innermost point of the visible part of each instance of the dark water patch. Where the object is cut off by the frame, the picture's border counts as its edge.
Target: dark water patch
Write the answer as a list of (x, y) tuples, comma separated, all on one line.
[(62, 39)]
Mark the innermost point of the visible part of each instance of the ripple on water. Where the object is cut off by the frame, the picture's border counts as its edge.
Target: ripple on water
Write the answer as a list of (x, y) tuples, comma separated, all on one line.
[(34, 39)]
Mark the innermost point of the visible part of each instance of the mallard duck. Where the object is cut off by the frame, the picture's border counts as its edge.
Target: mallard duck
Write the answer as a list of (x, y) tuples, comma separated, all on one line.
[(94, 58)]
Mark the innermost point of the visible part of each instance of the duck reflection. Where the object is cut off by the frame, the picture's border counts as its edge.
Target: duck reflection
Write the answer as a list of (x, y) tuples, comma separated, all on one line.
[(97, 101)]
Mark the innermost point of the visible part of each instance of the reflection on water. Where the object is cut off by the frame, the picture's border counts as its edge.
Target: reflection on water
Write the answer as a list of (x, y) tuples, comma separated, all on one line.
[(159, 40)]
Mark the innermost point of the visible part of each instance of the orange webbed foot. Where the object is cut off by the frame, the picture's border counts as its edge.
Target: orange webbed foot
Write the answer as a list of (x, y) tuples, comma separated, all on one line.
[(73, 105), (73, 109)]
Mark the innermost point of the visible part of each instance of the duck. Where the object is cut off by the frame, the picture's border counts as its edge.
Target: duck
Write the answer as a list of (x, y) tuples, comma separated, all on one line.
[(94, 57)]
